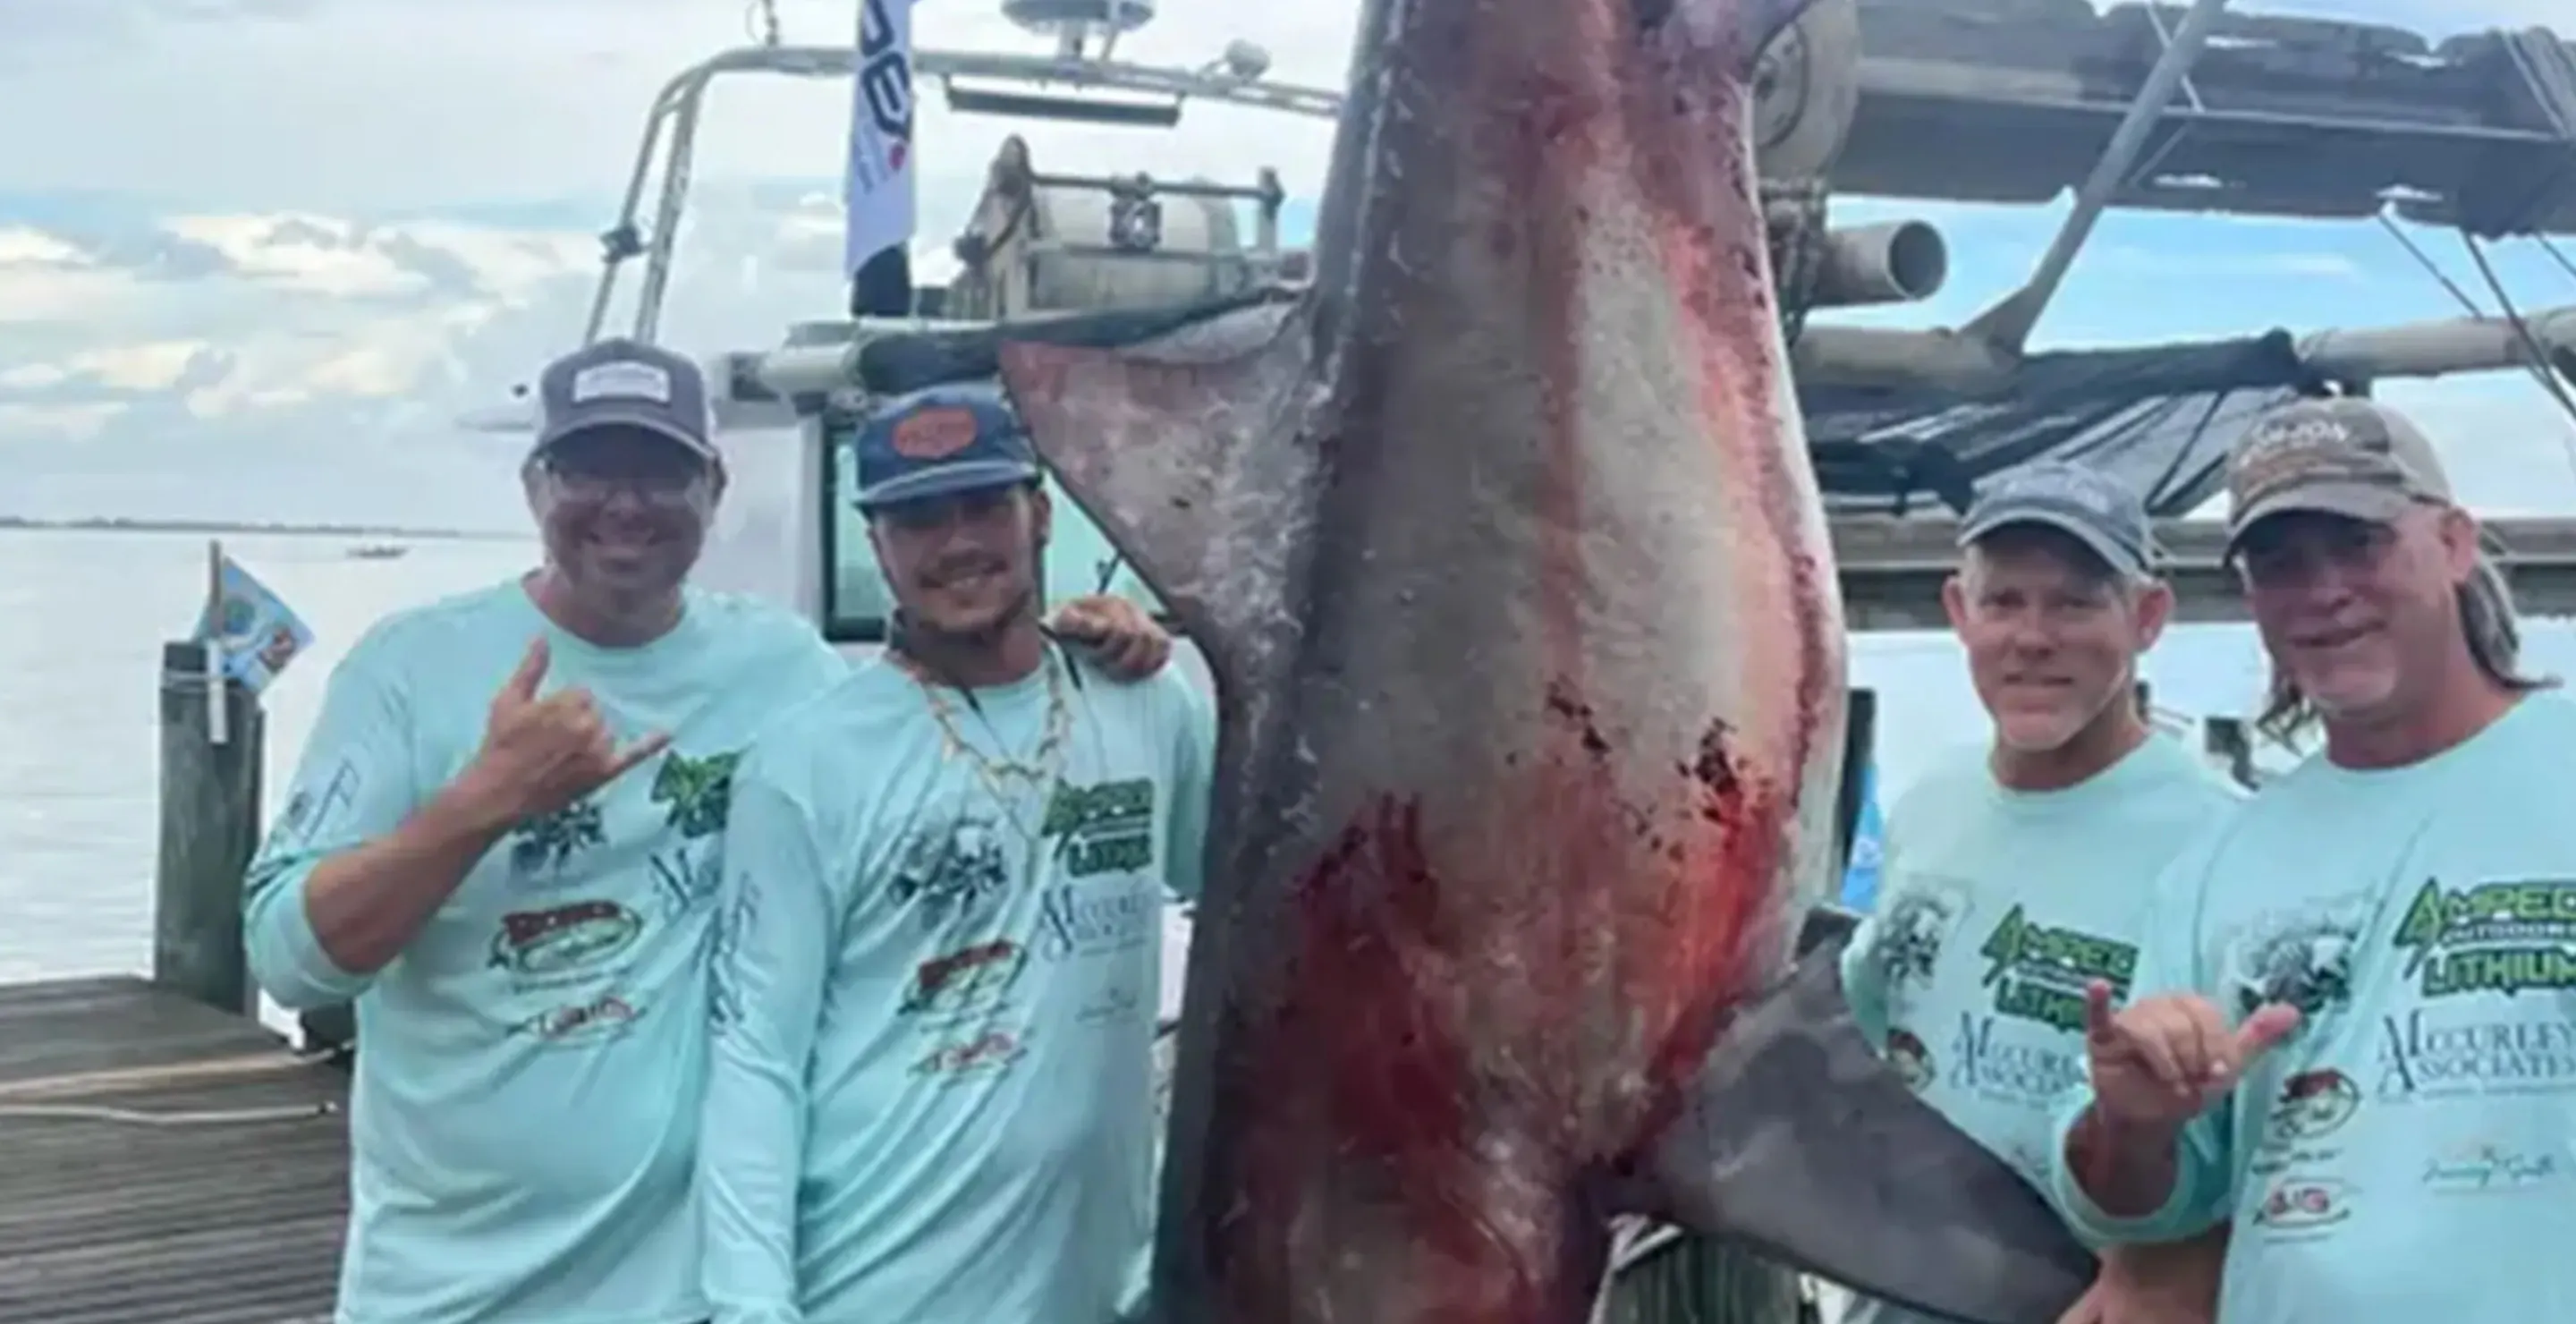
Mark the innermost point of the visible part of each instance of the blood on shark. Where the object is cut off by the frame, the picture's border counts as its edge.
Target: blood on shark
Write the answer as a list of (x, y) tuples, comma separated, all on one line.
[(1502, 542)]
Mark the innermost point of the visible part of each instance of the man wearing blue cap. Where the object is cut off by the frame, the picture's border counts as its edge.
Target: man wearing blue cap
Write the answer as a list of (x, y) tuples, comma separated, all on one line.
[(2017, 873), (932, 1094), (521, 923)]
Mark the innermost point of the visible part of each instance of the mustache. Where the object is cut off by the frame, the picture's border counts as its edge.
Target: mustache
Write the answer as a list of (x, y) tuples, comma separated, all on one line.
[(961, 567)]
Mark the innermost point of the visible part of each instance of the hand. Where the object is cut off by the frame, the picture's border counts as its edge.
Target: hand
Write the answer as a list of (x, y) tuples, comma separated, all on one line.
[(2088, 1308), (2168, 1283), (2159, 1063), (1117, 633), (539, 755)]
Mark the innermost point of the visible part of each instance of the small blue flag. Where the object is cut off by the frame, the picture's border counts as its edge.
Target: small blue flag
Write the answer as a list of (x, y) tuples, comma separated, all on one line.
[(255, 629), (1860, 876)]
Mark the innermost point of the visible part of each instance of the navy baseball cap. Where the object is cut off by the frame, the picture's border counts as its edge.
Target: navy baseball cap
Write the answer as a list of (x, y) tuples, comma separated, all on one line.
[(626, 385), (2084, 503), (942, 441)]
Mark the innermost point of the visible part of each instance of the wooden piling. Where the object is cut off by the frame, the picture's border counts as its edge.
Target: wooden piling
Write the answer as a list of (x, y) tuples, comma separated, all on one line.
[(209, 827)]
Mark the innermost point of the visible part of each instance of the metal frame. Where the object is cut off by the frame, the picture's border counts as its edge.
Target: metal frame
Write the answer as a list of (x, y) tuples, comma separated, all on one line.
[(676, 108), (2008, 324), (1890, 580)]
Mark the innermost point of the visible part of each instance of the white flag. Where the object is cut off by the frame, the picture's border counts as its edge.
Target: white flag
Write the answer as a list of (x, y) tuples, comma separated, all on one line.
[(881, 180)]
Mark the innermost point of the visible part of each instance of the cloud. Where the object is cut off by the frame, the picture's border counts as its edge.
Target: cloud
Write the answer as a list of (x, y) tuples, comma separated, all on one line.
[(292, 240)]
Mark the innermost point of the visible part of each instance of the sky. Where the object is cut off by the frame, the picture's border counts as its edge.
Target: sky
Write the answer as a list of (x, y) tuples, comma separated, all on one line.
[(258, 256)]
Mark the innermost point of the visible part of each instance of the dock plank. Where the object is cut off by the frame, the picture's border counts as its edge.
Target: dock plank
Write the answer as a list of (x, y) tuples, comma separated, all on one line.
[(163, 1163)]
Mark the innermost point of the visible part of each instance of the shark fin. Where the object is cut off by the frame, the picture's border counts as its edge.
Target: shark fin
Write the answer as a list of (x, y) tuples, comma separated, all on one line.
[(1187, 451), (1804, 1146)]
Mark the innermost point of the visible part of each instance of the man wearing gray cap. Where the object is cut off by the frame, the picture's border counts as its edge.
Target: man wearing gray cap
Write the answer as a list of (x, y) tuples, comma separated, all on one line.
[(2019, 872), (2348, 1031), (521, 924)]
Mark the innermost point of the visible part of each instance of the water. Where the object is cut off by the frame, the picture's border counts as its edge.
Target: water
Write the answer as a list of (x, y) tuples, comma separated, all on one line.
[(79, 733), (79, 745)]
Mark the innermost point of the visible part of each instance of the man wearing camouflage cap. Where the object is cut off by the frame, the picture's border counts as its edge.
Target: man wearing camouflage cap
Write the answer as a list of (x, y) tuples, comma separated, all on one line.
[(2351, 1020), (2020, 869)]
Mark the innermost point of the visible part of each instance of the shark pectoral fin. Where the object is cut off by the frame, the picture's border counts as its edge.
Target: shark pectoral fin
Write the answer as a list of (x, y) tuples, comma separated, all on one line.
[(1801, 1144), (1186, 450)]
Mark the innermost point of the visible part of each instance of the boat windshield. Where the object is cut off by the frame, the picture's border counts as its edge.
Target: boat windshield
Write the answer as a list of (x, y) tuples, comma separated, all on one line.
[(856, 601)]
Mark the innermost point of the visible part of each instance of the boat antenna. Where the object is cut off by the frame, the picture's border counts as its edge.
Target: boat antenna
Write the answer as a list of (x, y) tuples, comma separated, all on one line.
[(760, 19)]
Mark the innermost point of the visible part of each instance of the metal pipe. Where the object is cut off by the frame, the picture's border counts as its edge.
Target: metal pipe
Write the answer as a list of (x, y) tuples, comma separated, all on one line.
[(2434, 349), (2008, 324), (1894, 262), (1827, 355)]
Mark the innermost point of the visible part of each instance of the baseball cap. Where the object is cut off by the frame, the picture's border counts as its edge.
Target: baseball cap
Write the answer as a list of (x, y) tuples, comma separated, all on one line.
[(2084, 503), (940, 441), (2344, 456), (621, 383)]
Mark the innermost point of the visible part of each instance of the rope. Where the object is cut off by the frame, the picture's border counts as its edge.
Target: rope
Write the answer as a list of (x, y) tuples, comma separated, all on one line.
[(2552, 250), (2431, 268), (2543, 367)]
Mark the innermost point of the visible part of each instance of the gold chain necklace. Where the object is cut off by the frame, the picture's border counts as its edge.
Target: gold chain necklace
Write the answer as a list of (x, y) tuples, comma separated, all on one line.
[(1039, 770)]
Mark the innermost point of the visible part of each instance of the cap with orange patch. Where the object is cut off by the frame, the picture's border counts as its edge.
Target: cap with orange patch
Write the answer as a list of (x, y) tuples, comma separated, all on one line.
[(941, 441)]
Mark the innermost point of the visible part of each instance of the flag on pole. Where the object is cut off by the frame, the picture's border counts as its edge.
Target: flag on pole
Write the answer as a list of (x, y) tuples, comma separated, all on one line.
[(251, 630), (1860, 875), (882, 186)]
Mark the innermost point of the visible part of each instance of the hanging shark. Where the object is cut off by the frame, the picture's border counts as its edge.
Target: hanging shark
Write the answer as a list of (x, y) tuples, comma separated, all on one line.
[(1502, 543)]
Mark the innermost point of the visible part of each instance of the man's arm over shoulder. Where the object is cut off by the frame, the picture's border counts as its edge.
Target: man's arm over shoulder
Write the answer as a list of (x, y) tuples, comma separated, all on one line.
[(2200, 1192), (771, 959), (354, 821), (1194, 732)]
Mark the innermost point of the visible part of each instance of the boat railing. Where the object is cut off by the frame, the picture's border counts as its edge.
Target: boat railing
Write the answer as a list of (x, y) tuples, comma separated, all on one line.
[(671, 130)]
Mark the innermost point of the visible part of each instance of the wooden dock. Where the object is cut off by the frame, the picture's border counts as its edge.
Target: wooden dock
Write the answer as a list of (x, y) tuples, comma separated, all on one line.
[(162, 1162)]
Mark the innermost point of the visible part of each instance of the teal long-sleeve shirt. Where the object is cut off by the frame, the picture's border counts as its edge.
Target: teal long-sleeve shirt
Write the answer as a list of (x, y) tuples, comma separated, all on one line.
[(524, 1116), (2410, 1153), (931, 1097)]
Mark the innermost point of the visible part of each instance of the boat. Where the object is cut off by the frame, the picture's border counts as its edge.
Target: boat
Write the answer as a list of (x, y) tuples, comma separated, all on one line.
[(2162, 107), (379, 551), (2169, 107)]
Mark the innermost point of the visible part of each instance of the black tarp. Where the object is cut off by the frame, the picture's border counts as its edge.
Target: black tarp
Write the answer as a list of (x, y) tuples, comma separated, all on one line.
[(2161, 419)]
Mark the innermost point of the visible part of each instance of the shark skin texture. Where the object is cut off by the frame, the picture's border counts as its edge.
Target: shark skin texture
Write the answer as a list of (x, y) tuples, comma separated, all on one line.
[(1502, 542)]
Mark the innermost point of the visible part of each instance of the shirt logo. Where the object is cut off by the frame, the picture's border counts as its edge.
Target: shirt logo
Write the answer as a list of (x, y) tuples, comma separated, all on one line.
[(581, 936)]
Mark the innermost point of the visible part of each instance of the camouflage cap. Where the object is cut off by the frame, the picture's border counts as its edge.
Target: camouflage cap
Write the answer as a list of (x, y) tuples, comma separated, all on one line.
[(2346, 456)]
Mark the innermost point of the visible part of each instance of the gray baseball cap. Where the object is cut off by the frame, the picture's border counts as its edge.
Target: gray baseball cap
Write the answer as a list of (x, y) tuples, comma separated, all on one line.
[(2086, 504), (2344, 456), (627, 385)]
